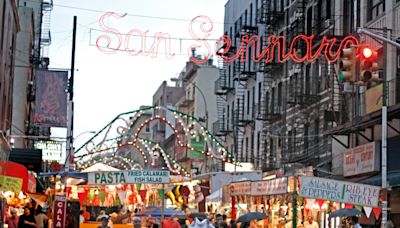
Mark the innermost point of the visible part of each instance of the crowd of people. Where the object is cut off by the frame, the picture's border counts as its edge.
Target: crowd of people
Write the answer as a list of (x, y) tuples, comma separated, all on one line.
[(30, 218)]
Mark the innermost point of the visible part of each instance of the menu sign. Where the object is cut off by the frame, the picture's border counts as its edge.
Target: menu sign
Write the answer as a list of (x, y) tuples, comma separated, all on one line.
[(12, 184), (270, 187), (339, 191), (129, 177), (241, 188), (361, 159)]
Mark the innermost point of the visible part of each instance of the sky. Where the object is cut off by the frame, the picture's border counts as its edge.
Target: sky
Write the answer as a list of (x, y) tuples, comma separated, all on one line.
[(106, 85)]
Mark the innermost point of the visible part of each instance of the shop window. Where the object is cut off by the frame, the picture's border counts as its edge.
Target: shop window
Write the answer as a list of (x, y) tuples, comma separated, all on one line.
[(375, 8)]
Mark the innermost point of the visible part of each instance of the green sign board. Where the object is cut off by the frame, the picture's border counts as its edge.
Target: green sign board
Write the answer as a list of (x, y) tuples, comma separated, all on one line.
[(12, 184), (198, 143)]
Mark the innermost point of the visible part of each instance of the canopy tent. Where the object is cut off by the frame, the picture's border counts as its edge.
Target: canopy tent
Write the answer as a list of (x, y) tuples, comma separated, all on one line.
[(215, 196), (98, 167)]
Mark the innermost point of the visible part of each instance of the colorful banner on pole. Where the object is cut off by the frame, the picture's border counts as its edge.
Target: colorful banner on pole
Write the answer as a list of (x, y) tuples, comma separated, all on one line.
[(51, 98), (339, 191), (59, 212), (129, 177)]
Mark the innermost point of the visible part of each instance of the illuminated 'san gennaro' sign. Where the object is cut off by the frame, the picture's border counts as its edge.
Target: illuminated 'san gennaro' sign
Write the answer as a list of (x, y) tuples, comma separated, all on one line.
[(200, 29)]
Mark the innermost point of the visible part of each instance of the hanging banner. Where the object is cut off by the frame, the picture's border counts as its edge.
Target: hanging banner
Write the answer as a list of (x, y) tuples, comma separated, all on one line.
[(59, 212), (129, 177), (240, 188), (339, 191), (51, 98), (270, 187), (361, 159)]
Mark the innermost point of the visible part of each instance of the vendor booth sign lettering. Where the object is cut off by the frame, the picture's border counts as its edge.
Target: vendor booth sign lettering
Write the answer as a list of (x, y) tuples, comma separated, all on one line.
[(270, 187), (241, 188), (339, 191), (59, 212), (129, 177)]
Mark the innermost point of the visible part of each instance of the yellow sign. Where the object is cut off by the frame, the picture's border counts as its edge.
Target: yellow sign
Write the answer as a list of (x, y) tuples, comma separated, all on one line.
[(12, 184), (373, 99)]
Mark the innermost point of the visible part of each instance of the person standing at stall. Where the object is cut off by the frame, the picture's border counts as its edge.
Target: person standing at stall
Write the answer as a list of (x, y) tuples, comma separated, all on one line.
[(310, 223), (12, 222), (26, 220), (41, 218)]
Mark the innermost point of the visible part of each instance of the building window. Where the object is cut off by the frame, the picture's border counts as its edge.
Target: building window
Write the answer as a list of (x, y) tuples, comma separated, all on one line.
[(248, 102), (246, 149), (251, 14), (258, 143), (252, 147), (227, 117), (375, 8)]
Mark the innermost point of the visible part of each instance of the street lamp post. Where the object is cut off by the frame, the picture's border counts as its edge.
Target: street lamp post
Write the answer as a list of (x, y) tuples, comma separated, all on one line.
[(205, 109), (69, 155)]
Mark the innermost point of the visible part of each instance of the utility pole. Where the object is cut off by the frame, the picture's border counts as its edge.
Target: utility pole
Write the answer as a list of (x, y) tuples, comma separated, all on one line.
[(69, 163), (384, 135), (386, 40)]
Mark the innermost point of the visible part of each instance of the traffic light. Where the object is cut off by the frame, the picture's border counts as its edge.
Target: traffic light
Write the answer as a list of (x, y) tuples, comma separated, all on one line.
[(347, 65), (369, 66)]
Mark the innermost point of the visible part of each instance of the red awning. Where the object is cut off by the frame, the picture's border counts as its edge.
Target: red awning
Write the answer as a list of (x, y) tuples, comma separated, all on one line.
[(12, 169)]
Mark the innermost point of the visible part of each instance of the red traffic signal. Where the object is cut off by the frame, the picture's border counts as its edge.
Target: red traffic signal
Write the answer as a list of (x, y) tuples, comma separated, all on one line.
[(369, 66), (366, 52)]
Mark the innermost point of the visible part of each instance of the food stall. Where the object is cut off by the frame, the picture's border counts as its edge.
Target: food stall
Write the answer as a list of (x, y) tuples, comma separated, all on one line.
[(129, 190)]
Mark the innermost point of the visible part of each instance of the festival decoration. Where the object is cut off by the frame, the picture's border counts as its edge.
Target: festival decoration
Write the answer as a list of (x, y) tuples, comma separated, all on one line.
[(186, 125), (358, 207), (348, 205), (367, 211), (143, 194), (122, 196), (320, 202), (102, 196), (377, 212)]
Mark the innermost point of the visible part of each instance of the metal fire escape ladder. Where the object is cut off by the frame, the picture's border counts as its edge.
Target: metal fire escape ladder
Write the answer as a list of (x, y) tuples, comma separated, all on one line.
[(337, 111), (47, 7), (297, 88), (240, 122), (271, 18), (220, 127)]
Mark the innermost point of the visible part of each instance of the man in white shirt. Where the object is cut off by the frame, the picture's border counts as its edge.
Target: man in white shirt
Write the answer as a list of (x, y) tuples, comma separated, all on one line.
[(310, 223)]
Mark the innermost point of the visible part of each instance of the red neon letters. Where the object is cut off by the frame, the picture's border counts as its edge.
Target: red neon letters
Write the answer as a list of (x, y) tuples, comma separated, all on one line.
[(200, 29)]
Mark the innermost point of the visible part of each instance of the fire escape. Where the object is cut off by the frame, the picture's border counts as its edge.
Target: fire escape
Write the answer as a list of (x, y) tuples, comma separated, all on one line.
[(221, 88), (271, 18), (298, 95), (47, 7)]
